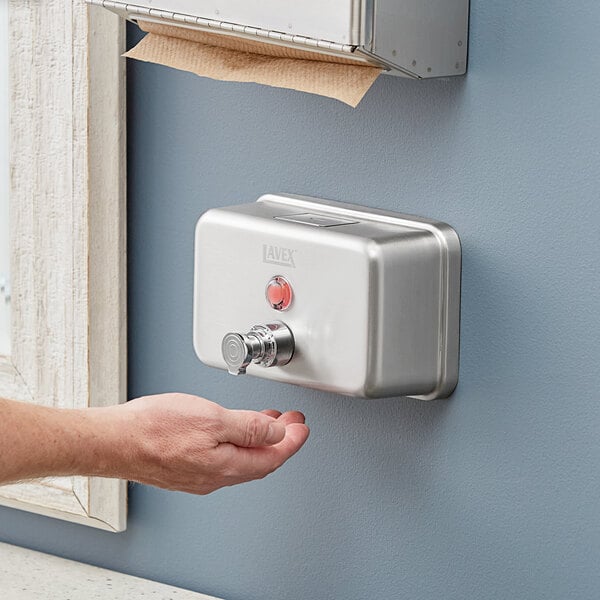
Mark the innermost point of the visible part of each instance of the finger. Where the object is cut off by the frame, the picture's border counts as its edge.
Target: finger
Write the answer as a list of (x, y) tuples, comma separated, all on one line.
[(291, 416), (252, 463), (250, 429), (271, 413)]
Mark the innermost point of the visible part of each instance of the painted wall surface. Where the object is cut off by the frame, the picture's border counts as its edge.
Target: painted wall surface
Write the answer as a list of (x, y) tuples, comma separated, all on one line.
[(493, 494)]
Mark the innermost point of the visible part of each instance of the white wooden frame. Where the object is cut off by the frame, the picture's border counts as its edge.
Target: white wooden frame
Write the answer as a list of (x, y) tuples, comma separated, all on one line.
[(67, 219)]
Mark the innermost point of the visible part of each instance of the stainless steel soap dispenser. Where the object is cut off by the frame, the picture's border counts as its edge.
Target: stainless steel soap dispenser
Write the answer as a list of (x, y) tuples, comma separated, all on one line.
[(327, 295)]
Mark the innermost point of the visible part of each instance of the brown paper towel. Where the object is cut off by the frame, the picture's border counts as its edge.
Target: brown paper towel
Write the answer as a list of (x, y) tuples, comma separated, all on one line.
[(229, 58)]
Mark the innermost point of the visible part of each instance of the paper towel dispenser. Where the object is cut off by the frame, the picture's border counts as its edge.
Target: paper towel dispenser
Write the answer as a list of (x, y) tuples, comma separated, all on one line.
[(412, 38), (333, 296)]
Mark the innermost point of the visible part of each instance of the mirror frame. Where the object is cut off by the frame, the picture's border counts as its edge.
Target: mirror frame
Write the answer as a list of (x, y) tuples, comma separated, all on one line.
[(67, 203)]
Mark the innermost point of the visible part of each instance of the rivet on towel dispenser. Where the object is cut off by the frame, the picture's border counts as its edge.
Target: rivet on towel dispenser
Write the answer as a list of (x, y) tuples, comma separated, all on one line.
[(375, 304), (336, 48)]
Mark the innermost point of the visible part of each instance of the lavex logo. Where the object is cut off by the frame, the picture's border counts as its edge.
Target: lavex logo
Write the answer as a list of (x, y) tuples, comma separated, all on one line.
[(277, 255)]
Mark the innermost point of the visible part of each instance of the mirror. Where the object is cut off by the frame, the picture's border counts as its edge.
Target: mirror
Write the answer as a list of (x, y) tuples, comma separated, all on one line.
[(62, 336), (4, 228)]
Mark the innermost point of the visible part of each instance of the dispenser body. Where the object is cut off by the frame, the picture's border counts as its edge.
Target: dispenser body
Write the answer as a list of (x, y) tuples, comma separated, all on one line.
[(409, 38), (374, 296)]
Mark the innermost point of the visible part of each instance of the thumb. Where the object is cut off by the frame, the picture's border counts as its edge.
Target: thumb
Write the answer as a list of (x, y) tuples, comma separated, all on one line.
[(249, 429)]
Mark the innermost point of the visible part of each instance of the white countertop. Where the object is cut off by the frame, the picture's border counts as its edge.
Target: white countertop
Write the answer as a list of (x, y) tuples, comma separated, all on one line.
[(29, 575)]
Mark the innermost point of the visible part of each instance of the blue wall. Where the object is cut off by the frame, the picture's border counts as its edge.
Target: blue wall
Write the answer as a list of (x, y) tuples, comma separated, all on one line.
[(494, 494)]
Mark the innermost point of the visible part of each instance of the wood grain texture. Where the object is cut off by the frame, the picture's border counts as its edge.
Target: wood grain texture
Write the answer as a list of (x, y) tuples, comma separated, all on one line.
[(67, 212)]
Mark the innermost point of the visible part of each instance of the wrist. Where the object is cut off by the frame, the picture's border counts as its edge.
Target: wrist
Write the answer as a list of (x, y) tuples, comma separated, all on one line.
[(103, 442)]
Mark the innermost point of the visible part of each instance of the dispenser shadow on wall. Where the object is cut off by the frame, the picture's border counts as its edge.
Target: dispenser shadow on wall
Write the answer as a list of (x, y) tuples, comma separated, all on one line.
[(332, 296)]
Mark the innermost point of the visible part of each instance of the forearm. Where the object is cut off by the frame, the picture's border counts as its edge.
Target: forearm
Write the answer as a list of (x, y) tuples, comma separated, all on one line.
[(37, 441)]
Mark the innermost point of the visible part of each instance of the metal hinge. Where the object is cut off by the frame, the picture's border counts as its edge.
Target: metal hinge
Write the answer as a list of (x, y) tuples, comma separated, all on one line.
[(154, 13)]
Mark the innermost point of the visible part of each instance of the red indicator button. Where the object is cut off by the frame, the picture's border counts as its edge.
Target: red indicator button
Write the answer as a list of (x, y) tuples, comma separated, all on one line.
[(279, 293)]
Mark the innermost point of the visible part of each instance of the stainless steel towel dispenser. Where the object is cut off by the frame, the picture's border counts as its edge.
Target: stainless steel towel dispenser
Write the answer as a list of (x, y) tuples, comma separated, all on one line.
[(412, 38), (328, 295)]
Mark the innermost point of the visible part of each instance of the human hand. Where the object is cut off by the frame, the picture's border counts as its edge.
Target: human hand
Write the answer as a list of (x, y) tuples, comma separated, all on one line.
[(186, 443)]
